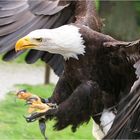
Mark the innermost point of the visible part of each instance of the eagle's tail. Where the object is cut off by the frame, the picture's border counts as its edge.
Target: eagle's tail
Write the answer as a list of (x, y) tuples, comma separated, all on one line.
[(127, 122)]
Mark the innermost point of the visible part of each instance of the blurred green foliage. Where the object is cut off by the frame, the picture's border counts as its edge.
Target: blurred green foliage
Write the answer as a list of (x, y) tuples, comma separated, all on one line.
[(137, 5), (97, 4), (121, 19)]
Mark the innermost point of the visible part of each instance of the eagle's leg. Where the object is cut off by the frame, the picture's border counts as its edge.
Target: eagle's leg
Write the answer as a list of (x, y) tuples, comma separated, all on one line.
[(62, 92), (84, 101), (78, 108)]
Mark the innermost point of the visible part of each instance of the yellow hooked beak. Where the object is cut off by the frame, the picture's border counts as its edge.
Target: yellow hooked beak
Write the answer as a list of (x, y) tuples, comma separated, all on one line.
[(24, 43)]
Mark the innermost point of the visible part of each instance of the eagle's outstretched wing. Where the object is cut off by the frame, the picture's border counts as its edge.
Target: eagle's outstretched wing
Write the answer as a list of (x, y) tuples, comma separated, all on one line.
[(130, 49), (18, 18), (127, 122)]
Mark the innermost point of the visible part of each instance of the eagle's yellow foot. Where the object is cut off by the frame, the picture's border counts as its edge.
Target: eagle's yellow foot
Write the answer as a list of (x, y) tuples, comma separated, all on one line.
[(37, 109), (23, 94)]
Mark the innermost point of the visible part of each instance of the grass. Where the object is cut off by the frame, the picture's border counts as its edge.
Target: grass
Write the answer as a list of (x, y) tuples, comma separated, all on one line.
[(14, 127)]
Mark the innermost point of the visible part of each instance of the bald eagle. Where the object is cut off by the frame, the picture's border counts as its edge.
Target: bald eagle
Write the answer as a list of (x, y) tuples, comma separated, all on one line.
[(96, 71)]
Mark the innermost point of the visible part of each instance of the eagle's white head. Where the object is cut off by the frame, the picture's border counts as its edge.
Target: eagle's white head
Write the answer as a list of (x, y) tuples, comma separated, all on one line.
[(65, 40)]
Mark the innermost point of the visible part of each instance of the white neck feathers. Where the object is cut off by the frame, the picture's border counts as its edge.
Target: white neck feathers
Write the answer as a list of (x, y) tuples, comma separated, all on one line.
[(65, 40), (107, 119), (68, 41)]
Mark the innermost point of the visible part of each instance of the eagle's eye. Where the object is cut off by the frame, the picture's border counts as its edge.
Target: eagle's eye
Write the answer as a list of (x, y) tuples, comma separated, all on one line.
[(39, 39)]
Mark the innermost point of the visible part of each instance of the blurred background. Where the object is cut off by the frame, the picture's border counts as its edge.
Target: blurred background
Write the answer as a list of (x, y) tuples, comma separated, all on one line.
[(121, 20)]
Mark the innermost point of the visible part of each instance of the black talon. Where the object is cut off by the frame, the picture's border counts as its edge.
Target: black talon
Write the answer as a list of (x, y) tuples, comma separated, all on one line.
[(32, 98), (23, 90), (27, 103), (34, 117), (54, 106), (29, 119)]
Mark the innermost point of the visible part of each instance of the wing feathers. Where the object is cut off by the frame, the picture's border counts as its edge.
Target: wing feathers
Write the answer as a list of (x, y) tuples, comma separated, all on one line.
[(33, 56), (10, 5), (83, 14), (12, 12), (11, 55), (52, 59), (47, 7), (7, 29), (132, 49), (126, 123)]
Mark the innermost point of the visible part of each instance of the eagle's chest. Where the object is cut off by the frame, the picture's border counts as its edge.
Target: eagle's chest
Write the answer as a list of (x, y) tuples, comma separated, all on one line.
[(79, 70)]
